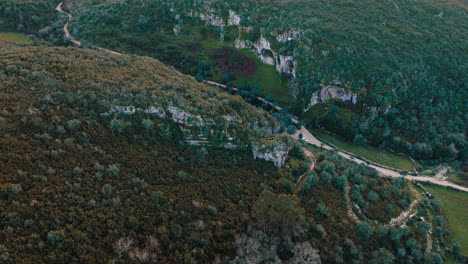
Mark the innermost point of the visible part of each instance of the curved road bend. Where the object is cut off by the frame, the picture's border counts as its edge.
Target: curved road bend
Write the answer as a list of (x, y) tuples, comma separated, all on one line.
[(73, 39), (306, 133), (383, 170)]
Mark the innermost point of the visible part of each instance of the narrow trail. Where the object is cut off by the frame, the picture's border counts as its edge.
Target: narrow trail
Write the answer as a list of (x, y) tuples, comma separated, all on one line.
[(405, 215), (349, 207), (72, 39), (384, 170), (303, 178)]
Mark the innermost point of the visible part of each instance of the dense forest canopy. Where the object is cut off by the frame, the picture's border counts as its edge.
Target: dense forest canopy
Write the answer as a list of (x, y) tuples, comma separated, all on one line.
[(406, 60)]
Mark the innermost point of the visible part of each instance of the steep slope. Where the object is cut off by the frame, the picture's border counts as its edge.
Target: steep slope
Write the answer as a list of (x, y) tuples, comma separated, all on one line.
[(95, 149), (120, 158), (398, 67)]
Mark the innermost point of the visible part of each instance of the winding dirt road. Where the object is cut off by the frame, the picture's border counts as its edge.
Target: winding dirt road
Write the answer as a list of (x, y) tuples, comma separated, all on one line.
[(383, 170), (311, 139), (72, 39)]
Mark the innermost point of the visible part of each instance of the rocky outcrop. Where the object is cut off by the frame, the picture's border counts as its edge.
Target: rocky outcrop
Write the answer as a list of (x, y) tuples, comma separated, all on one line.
[(332, 92), (240, 44), (234, 19), (210, 18), (182, 117), (263, 50), (275, 151), (252, 249), (226, 131), (286, 65), (292, 34)]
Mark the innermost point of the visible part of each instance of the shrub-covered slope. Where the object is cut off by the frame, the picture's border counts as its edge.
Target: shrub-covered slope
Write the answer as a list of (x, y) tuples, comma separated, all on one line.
[(120, 158), (75, 176), (37, 18)]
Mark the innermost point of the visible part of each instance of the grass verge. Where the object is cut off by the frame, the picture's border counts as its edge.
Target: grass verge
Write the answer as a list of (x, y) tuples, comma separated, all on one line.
[(373, 154), (269, 80), (16, 38), (454, 208)]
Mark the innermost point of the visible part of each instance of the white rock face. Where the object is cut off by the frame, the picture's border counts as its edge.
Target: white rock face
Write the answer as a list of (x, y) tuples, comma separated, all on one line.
[(159, 111), (201, 131), (130, 110), (274, 151), (251, 250), (262, 48), (176, 29), (210, 18), (305, 253), (240, 44), (332, 92), (234, 19), (232, 119), (286, 65), (182, 117), (292, 34)]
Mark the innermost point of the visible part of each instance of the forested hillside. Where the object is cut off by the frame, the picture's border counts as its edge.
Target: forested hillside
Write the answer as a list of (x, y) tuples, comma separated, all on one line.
[(37, 18), (100, 164), (406, 61)]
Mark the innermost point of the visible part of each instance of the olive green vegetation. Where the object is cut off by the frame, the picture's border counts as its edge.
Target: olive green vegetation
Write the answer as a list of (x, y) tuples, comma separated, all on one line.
[(368, 152), (406, 60), (84, 181), (454, 207), (184, 51), (77, 180), (459, 176), (25, 15), (16, 38), (36, 18), (269, 80)]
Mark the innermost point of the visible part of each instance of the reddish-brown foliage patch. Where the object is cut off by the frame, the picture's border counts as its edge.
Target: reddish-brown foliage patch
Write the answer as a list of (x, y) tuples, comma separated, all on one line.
[(231, 60), (4, 43)]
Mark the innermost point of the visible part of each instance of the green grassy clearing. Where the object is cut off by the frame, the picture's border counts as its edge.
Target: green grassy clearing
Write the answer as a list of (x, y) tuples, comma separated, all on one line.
[(373, 154), (454, 206), (16, 38), (270, 81)]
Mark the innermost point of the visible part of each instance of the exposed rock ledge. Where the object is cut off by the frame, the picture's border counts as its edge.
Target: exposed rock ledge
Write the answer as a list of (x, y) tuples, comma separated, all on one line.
[(262, 48), (292, 34), (275, 151), (332, 92), (273, 148)]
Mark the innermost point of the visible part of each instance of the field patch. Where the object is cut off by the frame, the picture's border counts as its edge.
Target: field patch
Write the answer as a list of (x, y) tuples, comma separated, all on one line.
[(231, 60), (16, 38), (454, 208), (373, 154)]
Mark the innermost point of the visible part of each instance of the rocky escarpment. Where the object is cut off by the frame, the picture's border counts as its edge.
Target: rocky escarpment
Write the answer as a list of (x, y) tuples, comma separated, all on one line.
[(263, 50), (230, 132), (332, 92), (291, 35), (262, 47), (273, 150)]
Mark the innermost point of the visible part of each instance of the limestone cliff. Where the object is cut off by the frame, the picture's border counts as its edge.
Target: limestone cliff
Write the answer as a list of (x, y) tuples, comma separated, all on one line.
[(274, 150), (332, 92)]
